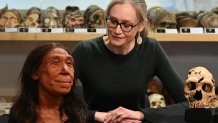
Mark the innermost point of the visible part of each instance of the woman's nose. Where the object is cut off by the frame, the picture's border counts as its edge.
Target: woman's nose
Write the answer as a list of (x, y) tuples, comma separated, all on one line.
[(118, 29)]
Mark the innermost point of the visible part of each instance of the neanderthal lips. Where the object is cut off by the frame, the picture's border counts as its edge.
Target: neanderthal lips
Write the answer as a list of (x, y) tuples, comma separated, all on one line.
[(64, 83)]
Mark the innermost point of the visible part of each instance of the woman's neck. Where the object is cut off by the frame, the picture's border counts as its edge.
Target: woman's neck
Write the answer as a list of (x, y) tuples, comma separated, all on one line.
[(122, 50)]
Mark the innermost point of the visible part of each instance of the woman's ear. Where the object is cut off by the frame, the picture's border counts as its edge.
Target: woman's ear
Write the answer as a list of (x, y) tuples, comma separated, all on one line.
[(35, 77), (143, 24)]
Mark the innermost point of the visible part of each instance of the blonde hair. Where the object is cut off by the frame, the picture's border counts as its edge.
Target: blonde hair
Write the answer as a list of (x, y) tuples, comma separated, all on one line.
[(140, 7)]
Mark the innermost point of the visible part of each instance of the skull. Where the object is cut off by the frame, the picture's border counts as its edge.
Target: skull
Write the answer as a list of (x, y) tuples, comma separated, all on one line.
[(52, 18), (73, 17), (209, 20), (94, 17), (32, 18), (214, 102), (156, 100), (11, 18), (161, 18), (199, 87)]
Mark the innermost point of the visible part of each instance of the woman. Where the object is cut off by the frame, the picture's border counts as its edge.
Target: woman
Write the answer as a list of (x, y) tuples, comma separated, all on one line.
[(46, 88), (115, 69)]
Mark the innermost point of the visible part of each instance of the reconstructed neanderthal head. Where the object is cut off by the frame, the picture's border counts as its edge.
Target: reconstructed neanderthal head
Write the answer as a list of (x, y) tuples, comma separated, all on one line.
[(199, 87)]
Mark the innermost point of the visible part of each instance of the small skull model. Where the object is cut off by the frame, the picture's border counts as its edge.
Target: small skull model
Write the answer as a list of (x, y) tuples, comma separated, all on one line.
[(11, 18), (32, 18), (209, 20), (199, 87), (156, 100), (214, 102), (52, 18), (215, 10), (161, 18), (73, 17), (94, 17)]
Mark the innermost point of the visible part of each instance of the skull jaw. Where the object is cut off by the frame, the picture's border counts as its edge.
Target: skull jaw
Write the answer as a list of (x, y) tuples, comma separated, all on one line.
[(199, 104)]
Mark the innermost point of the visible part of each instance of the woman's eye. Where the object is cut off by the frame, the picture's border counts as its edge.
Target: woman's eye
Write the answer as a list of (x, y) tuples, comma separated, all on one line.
[(126, 25), (113, 22)]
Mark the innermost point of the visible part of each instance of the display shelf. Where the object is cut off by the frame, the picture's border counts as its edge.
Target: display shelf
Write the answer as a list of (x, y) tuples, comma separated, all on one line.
[(185, 37), (6, 36)]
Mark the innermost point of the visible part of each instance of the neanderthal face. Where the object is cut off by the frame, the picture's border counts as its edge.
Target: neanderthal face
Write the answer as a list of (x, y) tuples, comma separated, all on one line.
[(56, 73)]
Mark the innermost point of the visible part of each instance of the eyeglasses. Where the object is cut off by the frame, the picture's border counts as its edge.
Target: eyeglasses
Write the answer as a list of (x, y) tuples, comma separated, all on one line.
[(124, 26)]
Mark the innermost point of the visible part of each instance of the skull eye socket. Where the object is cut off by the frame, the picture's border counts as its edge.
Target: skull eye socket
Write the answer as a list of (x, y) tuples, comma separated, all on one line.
[(192, 85), (96, 17), (207, 88), (153, 103), (163, 24)]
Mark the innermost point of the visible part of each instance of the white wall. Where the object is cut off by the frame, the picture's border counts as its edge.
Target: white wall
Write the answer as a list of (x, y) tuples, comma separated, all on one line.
[(60, 4), (181, 5)]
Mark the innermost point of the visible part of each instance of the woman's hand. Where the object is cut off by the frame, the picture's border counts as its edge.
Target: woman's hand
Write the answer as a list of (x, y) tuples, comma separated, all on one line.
[(122, 114), (100, 116)]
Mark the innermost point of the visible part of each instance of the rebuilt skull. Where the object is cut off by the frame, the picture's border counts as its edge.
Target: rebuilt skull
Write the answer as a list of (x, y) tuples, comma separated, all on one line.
[(156, 100), (199, 87)]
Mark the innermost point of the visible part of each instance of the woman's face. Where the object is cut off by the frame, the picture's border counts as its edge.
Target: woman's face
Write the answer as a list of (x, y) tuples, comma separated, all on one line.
[(126, 14), (56, 73)]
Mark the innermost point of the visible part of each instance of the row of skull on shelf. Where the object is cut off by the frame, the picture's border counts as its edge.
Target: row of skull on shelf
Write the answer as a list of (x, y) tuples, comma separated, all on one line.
[(161, 18), (199, 90), (72, 17), (94, 17)]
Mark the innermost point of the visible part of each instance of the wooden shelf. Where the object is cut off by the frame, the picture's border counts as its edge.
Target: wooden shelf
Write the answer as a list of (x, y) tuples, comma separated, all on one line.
[(4, 36), (185, 37)]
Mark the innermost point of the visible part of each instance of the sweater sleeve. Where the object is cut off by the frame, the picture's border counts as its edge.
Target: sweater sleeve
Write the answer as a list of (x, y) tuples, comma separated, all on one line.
[(171, 80), (173, 83)]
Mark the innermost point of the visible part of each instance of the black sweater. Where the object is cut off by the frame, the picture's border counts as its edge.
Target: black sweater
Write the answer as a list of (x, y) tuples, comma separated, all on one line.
[(111, 80)]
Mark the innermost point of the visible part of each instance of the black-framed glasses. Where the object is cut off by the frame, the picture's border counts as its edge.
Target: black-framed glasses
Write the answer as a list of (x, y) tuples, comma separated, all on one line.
[(124, 26)]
